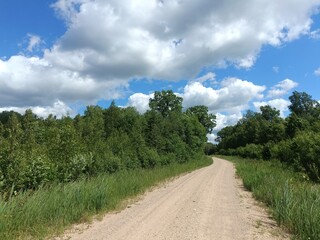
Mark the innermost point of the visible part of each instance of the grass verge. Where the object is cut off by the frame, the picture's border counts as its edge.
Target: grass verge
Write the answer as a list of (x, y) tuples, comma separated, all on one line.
[(50, 211), (293, 201)]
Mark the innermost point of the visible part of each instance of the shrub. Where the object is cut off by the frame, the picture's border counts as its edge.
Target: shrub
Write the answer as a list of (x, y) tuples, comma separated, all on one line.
[(250, 151), (307, 153)]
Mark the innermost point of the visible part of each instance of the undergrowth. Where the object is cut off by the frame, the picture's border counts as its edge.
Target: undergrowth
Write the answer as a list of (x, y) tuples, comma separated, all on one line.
[(294, 202), (48, 211)]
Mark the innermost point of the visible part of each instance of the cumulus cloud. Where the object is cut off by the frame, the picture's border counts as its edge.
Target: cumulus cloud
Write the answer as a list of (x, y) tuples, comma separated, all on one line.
[(222, 121), (233, 95), (282, 88), (58, 109), (317, 72), (107, 43), (140, 101), (35, 82), (280, 104)]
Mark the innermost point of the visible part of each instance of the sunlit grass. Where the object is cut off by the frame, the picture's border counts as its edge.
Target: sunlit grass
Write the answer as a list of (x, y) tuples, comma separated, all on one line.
[(294, 202), (50, 210)]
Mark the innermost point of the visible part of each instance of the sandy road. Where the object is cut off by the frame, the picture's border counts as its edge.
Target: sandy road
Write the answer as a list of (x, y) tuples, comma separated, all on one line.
[(206, 204)]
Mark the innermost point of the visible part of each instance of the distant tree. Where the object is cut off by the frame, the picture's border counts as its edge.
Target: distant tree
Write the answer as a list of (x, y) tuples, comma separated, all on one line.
[(93, 129), (269, 113), (207, 120), (5, 115), (29, 125), (165, 102), (210, 148), (295, 124), (112, 119), (14, 132), (303, 105)]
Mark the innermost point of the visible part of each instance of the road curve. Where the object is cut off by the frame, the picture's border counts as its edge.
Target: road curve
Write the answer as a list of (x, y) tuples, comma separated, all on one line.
[(208, 203)]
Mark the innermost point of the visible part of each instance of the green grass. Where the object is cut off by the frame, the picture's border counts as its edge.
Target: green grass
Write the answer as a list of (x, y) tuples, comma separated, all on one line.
[(294, 202), (49, 211)]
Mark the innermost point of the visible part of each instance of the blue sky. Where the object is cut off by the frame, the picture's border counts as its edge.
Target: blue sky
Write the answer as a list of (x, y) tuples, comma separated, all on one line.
[(57, 56)]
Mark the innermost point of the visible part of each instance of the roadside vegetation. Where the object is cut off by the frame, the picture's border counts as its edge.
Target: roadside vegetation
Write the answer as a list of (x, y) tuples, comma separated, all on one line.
[(51, 210), (54, 172), (284, 170), (294, 140), (294, 201)]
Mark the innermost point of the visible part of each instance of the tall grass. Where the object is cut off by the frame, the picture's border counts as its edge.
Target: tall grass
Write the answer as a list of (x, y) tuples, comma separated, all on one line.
[(50, 210), (294, 202)]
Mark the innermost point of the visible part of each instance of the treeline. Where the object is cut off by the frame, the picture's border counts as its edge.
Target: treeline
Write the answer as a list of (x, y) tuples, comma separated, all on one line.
[(36, 151), (294, 140)]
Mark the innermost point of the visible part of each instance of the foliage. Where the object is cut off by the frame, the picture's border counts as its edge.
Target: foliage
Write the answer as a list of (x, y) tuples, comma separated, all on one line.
[(201, 112), (294, 140), (36, 152), (210, 148), (165, 102), (46, 211), (294, 202)]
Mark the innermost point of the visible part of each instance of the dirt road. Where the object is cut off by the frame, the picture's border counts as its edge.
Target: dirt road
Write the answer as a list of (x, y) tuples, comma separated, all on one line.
[(209, 203)]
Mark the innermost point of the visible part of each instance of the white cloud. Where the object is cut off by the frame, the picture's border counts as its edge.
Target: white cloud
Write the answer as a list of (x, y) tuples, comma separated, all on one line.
[(315, 34), (282, 88), (140, 101), (317, 72), (35, 82), (226, 120), (280, 104), (233, 96), (210, 76), (211, 137), (107, 43), (223, 121), (58, 109), (34, 42)]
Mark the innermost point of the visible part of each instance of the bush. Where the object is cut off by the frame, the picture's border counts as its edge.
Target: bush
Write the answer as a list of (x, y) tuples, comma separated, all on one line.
[(250, 151), (38, 171), (294, 202), (306, 147), (282, 151), (149, 158), (210, 148)]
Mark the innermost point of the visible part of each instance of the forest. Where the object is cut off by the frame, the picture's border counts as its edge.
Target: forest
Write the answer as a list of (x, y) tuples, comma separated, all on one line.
[(36, 151), (293, 140)]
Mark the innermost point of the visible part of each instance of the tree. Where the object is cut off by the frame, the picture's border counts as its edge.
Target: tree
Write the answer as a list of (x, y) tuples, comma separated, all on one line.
[(303, 105), (112, 119), (165, 102), (29, 122), (269, 113), (14, 132), (201, 112), (93, 127)]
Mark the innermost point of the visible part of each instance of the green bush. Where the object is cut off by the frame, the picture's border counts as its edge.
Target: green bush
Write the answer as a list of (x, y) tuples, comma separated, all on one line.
[(294, 201), (49, 210), (253, 151), (38, 171), (283, 151), (149, 158), (306, 147)]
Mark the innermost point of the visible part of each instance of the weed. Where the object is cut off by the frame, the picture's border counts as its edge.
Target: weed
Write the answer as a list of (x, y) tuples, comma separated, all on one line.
[(294, 201), (50, 210)]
